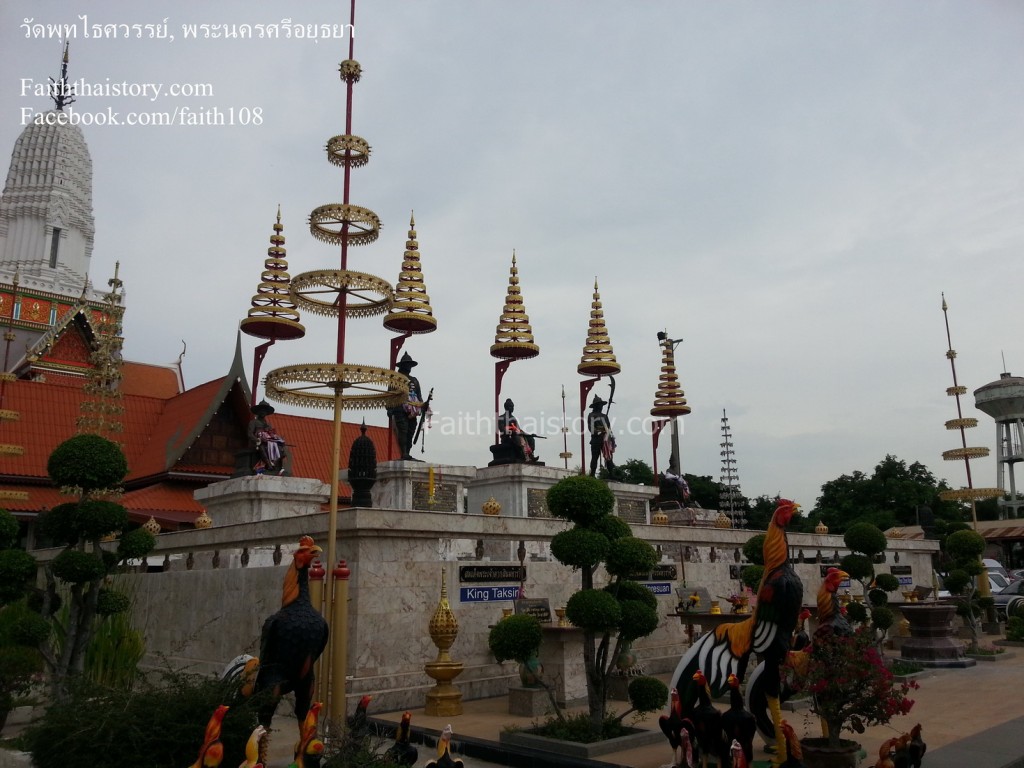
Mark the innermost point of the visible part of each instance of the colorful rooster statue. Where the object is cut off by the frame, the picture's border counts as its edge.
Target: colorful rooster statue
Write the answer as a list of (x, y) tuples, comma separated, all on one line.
[(444, 752), (830, 620), (292, 640), (256, 749), (212, 752), (402, 752), (767, 632), (795, 753), (310, 749)]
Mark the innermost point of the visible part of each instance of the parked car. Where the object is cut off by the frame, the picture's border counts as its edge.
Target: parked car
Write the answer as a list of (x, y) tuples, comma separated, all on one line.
[(1015, 589), (1017, 575), (995, 567)]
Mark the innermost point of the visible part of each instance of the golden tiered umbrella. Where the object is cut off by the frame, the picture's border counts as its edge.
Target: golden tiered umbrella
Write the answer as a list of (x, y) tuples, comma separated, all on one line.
[(669, 401), (597, 360), (273, 315), (513, 338)]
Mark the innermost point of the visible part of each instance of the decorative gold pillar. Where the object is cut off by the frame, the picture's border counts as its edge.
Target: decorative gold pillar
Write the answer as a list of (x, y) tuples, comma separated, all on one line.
[(444, 699)]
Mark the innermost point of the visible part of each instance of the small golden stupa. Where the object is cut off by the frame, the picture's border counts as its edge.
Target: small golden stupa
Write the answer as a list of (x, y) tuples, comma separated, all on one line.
[(411, 312), (444, 699), (513, 339), (273, 314), (598, 357), (669, 400)]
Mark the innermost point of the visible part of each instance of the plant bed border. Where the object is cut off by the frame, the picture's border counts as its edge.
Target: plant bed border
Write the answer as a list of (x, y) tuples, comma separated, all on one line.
[(640, 737), (990, 656), (1010, 643)]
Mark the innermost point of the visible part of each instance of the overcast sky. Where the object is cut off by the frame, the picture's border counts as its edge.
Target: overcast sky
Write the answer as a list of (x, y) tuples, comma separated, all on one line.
[(787, 186)]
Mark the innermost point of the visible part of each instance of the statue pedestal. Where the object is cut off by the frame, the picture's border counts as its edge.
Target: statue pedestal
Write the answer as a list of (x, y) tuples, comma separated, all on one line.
[(406, 485), (561, 653), (256, 498), (519, 488)]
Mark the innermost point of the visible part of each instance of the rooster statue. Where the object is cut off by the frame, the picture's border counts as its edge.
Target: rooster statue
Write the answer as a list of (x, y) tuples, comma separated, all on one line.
[(212, 752), (292, 640), (727, 649), (256, 749), (310, 749), (738, 723), (795, 754), (444, 752), (830, 620), (916, 747), (402, 752), (680, 732)]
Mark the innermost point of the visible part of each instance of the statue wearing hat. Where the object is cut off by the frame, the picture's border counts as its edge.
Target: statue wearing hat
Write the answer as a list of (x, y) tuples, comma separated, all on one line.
[(270, 448), (602, 441), (404, 417)]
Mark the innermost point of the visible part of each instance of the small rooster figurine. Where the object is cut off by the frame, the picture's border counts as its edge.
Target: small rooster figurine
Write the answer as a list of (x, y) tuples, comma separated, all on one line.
[(795, 753), (310, 749), (738, 723), (256, 749), (212, 751), (444, 752), (708, 722), (916, 748), (402, 752), (739, 760), (292, 640)]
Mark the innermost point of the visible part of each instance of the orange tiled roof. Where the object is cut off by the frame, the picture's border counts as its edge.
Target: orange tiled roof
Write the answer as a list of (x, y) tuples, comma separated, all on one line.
[(149, 380)]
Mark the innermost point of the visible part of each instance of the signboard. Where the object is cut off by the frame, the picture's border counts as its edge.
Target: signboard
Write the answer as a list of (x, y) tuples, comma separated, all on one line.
[(900, 570), (660, 588), (487, 594), (906, 581), (482, 574), (664, 572), (538, 607), (702, 603)]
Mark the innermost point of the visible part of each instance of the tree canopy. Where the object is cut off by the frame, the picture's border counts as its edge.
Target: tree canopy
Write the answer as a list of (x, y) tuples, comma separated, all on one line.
[(890, 496)]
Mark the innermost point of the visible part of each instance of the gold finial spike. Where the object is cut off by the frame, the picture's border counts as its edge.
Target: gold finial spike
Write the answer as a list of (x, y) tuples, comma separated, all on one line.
[(410, 311), (273, 314), (598, 357), (513, 338)]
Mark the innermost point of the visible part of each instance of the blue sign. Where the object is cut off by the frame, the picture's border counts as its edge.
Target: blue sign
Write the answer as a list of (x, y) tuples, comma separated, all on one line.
[(659, 588), (487, 594), (906, 581)]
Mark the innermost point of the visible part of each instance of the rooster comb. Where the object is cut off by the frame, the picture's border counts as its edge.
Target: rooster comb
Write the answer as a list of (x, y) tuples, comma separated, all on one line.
[(306, 541)]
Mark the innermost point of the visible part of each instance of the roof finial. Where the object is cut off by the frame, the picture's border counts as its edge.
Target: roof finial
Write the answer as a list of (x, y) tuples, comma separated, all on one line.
[(61, 93)]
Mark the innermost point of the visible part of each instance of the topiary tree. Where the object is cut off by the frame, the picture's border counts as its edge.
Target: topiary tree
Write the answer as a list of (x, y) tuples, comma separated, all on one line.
[(962, 552), (518, 638), (92, 468), (622, 611), (21, 629), (867, 542)]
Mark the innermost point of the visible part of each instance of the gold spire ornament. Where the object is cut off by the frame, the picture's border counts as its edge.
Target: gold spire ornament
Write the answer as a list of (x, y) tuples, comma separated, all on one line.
[(598, 357), (513, 339), (273, 314), (444, 699), (103, 409), (669, 400), (410, 312)]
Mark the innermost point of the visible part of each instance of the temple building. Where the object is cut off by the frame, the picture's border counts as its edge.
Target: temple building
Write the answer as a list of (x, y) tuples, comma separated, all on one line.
[(57, 327)]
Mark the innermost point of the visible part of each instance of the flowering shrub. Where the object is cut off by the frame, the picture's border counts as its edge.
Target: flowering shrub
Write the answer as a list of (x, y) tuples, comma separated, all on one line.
[(851, 686)]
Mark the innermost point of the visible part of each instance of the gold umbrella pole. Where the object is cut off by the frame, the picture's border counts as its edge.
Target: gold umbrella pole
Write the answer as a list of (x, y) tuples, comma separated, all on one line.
[(327, 664), (339, 657)]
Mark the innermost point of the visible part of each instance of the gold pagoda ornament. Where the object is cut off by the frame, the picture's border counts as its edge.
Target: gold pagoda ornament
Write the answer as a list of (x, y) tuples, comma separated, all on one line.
[(411, 312), (669, 400), (273, 315), (444, 699), (513, 339), (966, 453), (598, 358)]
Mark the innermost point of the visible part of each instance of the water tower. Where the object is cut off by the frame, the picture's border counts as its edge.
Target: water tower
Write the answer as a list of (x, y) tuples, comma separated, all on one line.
[(1003, 400)]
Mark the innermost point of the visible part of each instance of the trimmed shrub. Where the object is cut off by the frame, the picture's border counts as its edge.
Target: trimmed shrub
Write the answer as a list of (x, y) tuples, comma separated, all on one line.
[(89, 462)]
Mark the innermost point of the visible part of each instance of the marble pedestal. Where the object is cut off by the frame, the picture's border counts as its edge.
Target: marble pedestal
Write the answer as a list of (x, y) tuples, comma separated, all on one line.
[(256, 498), (561, 653), (519, 488), (405, 485)]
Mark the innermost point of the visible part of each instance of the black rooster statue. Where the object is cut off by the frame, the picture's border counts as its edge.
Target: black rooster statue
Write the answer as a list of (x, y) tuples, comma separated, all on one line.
[(402, 752), (292, 640)]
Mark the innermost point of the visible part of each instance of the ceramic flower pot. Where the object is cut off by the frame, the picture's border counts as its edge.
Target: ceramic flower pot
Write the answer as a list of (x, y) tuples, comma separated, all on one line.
[(818, 754)]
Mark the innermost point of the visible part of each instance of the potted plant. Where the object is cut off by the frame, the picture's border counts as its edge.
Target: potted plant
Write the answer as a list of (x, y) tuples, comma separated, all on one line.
[(851, 688)]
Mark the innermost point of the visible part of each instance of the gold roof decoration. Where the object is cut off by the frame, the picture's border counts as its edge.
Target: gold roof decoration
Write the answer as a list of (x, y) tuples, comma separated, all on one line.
[(410, 312), (598, 358), (273, 314), (513, 339), (669, 400)]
